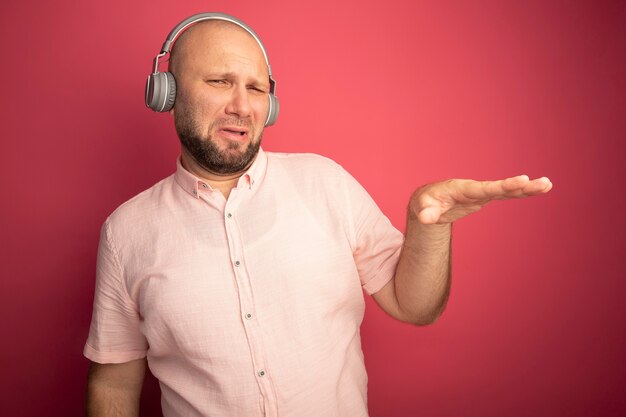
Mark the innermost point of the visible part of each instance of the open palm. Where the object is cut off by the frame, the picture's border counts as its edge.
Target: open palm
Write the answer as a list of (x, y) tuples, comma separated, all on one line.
[(448, 201)]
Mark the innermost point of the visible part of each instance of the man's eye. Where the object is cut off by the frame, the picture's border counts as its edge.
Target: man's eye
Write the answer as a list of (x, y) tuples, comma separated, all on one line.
[(217, 81)]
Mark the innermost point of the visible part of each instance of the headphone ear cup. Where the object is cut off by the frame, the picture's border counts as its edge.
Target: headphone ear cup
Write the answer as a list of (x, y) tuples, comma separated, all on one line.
[(171, 92), (149, 97), (161, 91), (274, 109)]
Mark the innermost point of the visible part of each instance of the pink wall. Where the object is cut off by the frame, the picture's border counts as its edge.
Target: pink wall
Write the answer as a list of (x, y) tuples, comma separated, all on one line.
[(398, 93)]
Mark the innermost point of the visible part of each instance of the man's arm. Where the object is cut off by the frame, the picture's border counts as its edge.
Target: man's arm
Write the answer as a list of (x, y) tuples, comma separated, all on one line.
[(114, 389), (420, 287)]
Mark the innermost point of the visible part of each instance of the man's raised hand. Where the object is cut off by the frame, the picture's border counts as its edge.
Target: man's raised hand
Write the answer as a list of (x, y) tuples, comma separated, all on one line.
[(448, 201)]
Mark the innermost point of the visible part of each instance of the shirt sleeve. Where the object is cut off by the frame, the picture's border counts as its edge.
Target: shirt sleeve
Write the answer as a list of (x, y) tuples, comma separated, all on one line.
[(114, 335), (377, 243)]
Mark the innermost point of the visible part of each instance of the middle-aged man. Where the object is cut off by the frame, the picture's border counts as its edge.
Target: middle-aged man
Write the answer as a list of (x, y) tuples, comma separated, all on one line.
[(239, 278)]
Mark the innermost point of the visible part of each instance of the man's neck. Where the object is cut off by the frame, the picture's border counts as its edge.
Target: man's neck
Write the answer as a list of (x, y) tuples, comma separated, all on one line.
[(223, 183)]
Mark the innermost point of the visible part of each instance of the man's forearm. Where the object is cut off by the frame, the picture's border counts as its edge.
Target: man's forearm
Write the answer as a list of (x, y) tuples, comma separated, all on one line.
[(108, 402), (114, 390), (422, 279)]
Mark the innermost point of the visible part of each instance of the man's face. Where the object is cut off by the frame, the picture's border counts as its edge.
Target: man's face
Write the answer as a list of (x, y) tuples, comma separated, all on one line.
[(222, 96)]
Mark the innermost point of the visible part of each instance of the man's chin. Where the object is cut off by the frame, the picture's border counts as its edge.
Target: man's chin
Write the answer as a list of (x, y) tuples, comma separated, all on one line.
[(233, 159), (234, 147), (219, 155)]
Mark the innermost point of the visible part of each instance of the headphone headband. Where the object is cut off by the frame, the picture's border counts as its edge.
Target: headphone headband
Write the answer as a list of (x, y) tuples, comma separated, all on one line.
[(196, 18)]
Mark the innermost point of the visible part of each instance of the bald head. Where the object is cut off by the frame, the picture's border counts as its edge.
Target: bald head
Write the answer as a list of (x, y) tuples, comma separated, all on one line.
[(207, 34)]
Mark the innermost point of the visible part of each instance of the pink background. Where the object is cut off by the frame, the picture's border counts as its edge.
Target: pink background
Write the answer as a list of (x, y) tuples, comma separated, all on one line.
[(400, 93)]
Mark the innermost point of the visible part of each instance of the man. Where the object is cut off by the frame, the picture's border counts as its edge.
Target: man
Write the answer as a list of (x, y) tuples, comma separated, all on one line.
[(240, 277)]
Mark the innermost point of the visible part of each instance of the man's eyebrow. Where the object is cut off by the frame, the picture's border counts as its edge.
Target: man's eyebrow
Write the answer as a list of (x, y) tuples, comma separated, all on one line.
[(230, 75), (220, 74)]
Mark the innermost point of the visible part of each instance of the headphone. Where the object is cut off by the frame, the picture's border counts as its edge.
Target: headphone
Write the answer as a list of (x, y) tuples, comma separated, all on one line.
[(161, 86)]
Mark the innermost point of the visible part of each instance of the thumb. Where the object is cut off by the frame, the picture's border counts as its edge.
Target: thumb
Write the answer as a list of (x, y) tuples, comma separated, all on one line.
[(428, 215)]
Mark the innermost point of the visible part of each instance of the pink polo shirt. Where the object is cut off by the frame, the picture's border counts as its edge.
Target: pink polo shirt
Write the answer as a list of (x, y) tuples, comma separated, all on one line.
[(249, 306)]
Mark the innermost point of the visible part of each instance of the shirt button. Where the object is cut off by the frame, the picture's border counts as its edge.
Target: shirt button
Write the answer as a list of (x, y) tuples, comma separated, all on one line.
[(229, 215), (204, 185), (194, 192), (261, 373), (237, 263), (248, 316)]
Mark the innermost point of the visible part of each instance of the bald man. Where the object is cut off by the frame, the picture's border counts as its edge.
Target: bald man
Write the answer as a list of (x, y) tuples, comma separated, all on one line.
[(239, 278)]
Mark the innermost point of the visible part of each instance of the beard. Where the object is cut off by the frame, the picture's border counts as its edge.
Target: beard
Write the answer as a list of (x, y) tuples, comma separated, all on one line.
[(207, 153)]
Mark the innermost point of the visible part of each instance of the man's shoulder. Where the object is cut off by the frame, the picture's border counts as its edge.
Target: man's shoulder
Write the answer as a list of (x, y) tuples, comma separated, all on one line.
[(143, 204), (304, 162), (308, 171)]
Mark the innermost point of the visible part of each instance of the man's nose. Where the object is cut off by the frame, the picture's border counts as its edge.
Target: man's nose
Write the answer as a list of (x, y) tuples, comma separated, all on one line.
[(239, 104)]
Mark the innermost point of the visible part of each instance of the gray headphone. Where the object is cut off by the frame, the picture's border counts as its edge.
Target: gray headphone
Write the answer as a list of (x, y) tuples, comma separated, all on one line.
[(161, 86)]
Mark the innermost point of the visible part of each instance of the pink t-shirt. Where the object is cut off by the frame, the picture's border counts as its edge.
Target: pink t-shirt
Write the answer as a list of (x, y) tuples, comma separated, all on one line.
[(249, 306)]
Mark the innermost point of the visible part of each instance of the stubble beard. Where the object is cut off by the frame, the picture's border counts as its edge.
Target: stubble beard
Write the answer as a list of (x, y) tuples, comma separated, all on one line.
[(206, 152)]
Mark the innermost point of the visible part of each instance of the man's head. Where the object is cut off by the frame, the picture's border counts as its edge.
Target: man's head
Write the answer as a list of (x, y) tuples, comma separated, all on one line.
[(222, 92)]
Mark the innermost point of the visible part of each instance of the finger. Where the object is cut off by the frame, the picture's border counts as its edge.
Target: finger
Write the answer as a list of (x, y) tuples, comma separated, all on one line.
[(487, 190), (548, 187), (538, 186), (520, 187), (534, 187), (515, 183)]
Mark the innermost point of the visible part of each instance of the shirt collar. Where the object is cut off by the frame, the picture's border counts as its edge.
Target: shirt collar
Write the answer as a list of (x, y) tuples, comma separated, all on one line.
[(193, 185)]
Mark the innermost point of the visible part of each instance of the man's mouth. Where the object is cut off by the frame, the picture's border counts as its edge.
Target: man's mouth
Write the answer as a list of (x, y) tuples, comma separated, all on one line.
[(239, 132), (234, 132)]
